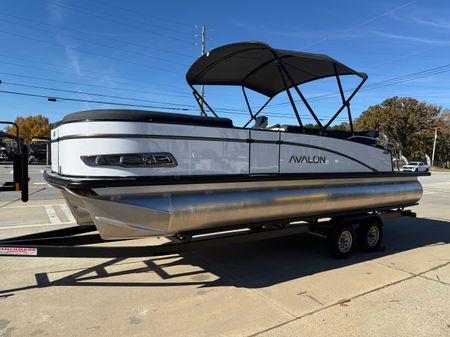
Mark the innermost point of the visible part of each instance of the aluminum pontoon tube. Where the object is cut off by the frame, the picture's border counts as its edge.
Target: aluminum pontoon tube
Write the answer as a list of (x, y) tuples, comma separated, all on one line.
[(167, 210)]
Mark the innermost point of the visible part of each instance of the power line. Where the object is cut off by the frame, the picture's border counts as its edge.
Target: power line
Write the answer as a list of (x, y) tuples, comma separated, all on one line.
[(363, 23), (225, 110), (171, 52), (147, 15), (89, 52), (410, 77), (71, 99), (120, 79), (102, 95), (92, 94), (380, 84), (70, 29), (97, 44), (282, 115), (113, 19), (228, 110), (376, 85), (109, 5), (91, 85)]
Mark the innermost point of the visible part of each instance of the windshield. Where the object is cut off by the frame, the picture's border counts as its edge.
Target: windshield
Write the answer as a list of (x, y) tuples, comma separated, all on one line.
[(414, 163)]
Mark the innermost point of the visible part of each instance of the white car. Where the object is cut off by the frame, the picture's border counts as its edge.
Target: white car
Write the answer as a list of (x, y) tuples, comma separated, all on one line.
[(416, 166)]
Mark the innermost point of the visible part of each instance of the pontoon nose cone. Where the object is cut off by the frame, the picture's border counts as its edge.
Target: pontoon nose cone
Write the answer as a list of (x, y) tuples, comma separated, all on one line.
[(115, 220)]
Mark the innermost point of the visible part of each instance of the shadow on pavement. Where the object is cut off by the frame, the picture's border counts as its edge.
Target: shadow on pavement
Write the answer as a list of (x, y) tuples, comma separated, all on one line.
[(252, 265)]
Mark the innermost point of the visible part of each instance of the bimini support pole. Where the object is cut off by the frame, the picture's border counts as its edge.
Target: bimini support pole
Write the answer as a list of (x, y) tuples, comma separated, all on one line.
[(344, 101), (256, 114), (300, 94), (246, 101), (198, 97), (364, 78), (283, 78), (202, 111)]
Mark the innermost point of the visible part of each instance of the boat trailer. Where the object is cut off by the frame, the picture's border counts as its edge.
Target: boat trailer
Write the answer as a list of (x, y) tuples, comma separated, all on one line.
[(341, 232)]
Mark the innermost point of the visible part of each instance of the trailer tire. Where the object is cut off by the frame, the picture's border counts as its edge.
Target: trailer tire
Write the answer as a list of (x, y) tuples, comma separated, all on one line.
[(341, 241), (370, 235)]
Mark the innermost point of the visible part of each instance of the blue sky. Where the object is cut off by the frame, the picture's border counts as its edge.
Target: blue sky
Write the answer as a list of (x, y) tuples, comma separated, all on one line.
[(142, 49)]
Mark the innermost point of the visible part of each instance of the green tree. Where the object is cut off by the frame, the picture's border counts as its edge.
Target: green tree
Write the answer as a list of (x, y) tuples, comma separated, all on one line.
[(408, 123), (442, 154), (344, 126), (31, 126)]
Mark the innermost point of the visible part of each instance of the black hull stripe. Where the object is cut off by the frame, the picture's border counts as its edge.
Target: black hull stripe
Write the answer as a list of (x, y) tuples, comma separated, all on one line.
[(83, 182), (215, 139)]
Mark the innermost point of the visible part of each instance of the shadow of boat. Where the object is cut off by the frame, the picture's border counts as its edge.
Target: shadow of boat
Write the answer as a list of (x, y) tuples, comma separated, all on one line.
[(251, 265)]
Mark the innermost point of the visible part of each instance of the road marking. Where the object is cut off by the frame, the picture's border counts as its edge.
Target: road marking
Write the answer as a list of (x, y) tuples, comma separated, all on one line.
[(52, 214), (38, 225), (40, 183), (67, 212), (37, 205)]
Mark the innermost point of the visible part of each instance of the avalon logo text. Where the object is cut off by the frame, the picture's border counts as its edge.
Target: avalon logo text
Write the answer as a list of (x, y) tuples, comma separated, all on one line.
[(308, 159)]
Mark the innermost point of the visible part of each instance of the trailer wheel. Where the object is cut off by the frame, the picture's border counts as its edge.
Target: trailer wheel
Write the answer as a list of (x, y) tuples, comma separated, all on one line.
[(341, 241), (370, 235)]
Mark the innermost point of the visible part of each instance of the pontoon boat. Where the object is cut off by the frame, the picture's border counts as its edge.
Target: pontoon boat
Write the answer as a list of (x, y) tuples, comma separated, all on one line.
[(143, 173)]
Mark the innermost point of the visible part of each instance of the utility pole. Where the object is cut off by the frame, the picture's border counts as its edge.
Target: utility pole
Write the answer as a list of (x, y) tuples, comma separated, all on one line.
[(434, 147), (202, 88)]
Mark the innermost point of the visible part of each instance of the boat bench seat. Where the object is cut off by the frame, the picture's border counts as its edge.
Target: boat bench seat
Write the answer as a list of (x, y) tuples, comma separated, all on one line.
[(364, 137), (145, 116)]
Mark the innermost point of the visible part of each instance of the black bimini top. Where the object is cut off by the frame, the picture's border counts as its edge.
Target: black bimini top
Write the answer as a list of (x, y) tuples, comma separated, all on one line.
[(254, 65)]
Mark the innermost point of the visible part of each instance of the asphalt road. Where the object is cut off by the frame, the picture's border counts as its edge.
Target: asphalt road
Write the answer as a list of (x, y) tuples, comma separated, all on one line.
[(278, 287), (39, 189)]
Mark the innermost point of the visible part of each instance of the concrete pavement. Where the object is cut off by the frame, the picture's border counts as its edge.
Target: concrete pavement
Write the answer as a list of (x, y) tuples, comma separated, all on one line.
[(279, 287)]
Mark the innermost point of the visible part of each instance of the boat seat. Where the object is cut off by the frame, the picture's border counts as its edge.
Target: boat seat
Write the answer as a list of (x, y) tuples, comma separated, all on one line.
[(298, 129), (144, 116), (273, 127), (363, 137), (260, 122)]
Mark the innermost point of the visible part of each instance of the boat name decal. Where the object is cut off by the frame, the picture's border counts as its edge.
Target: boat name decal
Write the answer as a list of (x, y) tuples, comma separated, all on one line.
[(308, 159)]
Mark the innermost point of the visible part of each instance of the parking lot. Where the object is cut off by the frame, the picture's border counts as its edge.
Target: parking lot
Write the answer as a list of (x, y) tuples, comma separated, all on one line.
[(280, 287)]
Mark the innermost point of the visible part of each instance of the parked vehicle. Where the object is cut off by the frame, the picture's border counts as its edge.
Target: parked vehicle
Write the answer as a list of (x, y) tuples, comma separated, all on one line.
[(37, 153), (416, 166), (4, 155)]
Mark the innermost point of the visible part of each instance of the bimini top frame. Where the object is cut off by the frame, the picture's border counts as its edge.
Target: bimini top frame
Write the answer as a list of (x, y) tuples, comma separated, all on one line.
[(268, 71)]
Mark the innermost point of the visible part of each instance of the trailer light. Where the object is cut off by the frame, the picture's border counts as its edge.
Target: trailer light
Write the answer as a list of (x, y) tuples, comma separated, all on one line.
[(157, 159)]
